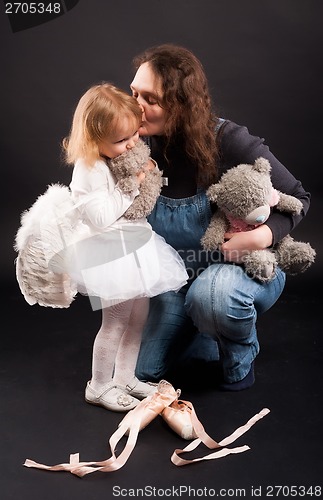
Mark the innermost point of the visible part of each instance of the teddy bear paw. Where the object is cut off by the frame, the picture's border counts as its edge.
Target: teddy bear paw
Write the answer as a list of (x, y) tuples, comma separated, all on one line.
[(260, 265)]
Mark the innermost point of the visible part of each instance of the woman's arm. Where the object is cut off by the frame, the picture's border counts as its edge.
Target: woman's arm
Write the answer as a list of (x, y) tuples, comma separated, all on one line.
[(238, 244)]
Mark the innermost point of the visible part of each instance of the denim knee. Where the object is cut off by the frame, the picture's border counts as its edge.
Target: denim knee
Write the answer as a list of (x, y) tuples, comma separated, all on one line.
[(224, 293)]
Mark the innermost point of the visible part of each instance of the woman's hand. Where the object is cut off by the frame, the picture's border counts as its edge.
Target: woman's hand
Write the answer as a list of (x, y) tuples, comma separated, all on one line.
[(239, 244)]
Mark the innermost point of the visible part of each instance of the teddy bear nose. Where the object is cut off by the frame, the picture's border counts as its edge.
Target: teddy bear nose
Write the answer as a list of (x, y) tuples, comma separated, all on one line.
[(261, 218), (259, 215)]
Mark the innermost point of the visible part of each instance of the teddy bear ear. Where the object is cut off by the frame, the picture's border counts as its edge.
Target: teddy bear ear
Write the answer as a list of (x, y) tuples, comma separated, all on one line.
[(213, 192), (262, 165)]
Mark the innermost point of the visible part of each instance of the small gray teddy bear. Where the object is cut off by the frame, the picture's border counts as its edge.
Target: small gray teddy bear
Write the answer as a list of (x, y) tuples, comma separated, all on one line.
[(125, 167), (244, 197)]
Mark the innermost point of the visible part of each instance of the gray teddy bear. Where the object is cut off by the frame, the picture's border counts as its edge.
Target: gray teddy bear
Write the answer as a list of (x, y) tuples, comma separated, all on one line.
[(125, 168), (244, 197)]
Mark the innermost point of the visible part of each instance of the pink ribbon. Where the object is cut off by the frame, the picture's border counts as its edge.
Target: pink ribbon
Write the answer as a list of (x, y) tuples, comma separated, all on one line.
[(136, 420), (204, 438), (131, 424)]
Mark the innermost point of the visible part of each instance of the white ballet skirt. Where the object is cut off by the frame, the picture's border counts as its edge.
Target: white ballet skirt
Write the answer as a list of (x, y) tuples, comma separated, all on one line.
[(105, 254), (127, 261)]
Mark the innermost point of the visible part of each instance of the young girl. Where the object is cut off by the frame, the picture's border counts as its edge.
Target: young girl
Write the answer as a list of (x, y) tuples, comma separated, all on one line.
[(120, 260)]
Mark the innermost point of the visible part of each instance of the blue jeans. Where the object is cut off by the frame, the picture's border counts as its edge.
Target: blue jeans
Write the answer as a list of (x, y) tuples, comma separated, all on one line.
[(225, 302), (214, 316)]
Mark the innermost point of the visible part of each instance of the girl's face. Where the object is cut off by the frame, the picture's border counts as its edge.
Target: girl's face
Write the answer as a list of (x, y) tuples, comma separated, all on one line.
[(122, 139), (147, 89)]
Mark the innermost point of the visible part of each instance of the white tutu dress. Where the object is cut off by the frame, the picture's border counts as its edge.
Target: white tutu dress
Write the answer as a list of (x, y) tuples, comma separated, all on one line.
[(126, 262), (120, 260)]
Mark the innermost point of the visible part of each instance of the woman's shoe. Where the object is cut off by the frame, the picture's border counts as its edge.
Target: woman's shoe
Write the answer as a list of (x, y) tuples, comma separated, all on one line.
[(240, 385), (112, 397), (139, 389)]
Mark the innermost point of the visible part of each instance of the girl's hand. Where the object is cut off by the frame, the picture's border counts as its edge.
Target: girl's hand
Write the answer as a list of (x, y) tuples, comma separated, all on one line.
[(140, 177), (242, 243), (150, 165)]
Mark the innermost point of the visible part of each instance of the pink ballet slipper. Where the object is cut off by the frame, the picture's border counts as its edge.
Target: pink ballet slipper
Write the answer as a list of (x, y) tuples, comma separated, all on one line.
[(178, 415), (181, 417), (137, 418)]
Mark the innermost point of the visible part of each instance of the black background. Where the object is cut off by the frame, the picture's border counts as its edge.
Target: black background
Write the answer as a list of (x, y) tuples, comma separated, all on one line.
[(263, 60), (264, 64)]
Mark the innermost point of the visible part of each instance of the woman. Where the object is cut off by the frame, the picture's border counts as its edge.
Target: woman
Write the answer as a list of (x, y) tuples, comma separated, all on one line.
[(193, 148)]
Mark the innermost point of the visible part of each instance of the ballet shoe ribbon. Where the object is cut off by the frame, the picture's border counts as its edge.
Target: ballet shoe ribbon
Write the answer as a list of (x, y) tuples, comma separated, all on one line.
[(113, 463), (131, 425), (136, 420), (221, 446)]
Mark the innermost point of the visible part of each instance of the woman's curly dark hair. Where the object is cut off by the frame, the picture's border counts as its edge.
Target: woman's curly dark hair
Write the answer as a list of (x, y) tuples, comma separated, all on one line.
[(188, 105)]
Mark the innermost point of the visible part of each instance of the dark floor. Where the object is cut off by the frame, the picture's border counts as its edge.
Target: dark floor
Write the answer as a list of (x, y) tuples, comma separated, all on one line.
[(46, 358)]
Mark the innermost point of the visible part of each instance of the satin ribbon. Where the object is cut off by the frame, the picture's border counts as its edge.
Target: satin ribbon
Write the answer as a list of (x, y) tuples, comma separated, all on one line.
[(136, 420), (204, 438), (131, 424)]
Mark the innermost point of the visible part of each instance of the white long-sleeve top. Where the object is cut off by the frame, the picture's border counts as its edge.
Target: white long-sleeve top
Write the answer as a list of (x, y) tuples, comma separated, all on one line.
[(100, 200)]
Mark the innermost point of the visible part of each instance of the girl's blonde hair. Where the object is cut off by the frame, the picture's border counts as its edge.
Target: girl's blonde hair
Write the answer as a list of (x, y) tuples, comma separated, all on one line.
[(95, 118)]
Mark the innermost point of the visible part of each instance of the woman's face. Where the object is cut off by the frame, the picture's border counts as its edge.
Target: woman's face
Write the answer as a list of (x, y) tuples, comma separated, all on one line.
[(147, 89)]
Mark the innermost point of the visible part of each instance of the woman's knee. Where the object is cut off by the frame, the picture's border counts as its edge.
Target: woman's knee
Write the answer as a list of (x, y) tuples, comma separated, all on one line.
[(219, 299), (199, 303)]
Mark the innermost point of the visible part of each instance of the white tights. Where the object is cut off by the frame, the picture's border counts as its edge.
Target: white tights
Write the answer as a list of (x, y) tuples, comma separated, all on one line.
[(117, 343)]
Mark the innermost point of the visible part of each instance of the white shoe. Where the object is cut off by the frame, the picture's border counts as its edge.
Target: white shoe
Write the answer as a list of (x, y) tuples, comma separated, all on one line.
[(113, 397), (139, 389)]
